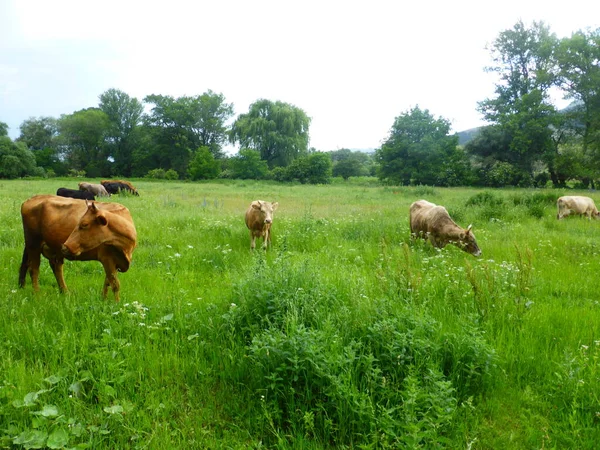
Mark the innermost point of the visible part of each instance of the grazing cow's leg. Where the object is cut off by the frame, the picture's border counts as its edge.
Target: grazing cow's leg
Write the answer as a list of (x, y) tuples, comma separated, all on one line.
[(111, 280), (24, 268), (34, 269), (252, 241), (57, 268)]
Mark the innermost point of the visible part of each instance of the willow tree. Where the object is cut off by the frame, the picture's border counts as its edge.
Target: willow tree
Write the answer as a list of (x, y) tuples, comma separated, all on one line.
[(277, 130)]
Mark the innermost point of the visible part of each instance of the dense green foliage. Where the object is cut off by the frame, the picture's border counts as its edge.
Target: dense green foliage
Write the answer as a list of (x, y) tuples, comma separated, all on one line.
[(528, 142), (278, 130), (345, 334)]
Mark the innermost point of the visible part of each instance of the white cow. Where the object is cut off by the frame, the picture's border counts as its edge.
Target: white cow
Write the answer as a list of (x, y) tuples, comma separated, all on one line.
[(576, 204)]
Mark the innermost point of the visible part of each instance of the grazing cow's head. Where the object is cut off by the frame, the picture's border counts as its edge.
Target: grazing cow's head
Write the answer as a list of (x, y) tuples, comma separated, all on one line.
[(468, 242), (266, 210), (90, 232)]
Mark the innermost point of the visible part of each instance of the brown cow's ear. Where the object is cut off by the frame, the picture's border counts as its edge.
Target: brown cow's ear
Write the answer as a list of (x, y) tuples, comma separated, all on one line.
[(102, 220), (462, 236), (256, 204)]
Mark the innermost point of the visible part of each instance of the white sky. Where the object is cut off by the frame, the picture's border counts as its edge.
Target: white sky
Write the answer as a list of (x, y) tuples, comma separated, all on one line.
[(351, 66)]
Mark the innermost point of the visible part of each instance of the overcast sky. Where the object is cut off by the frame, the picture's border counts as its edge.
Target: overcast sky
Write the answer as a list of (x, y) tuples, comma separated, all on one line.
[(351, 66)]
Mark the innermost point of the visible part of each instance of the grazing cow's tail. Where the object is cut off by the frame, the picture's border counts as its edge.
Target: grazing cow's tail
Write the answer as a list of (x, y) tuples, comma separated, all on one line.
[(24, 267)]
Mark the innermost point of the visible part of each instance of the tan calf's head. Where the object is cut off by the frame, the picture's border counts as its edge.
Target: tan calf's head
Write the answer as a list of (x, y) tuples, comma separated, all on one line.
[(468, 242), (265, 209)]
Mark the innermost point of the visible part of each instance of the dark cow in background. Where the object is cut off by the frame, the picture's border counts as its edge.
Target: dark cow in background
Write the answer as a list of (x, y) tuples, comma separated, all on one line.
[(73, 193), (96, 189), (259, 218), (60, 228), (118, 186), (433, 223)]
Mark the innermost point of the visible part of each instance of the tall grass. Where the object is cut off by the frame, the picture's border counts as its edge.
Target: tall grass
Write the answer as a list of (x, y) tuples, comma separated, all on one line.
[(345, 334)]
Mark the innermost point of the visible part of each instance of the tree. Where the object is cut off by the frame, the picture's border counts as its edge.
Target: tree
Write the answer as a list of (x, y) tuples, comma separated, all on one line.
[(347, 163), (277, 130), (417, 149), (124, 115), (39, 133), (314, 168), (82, 140), (523, 59), (3, 129), (187, 123), (248, 165), (203, 166), (578, 59), (16, 160)]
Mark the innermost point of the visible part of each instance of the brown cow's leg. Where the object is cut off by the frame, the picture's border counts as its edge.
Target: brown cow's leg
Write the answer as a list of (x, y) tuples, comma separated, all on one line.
[(111, 280), (252, 241), (34, 269), (57, 268)]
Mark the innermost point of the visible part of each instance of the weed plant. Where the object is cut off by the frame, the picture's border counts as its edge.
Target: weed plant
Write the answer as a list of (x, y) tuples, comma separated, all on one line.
[(345, 334)]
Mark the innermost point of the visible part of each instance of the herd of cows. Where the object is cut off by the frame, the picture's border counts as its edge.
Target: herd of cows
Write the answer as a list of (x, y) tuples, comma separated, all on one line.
[(72, 225)]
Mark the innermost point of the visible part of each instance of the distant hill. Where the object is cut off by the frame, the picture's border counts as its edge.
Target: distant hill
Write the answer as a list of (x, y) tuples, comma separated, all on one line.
[(467, 135)]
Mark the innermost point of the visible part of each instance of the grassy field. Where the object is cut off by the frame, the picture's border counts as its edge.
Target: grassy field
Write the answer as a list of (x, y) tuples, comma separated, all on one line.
[(345, 334)]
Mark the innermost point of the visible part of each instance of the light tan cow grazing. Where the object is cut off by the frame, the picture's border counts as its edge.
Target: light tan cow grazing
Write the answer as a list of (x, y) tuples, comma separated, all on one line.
[(59, 228), (576, 204), (430, 221), (259, 218), (96, 189)]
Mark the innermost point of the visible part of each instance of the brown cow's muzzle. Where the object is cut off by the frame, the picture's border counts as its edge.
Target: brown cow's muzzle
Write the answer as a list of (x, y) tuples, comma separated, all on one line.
[(68, 253)]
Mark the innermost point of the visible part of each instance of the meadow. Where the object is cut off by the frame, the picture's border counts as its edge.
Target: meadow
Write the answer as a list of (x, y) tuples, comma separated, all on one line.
[(344, 334)]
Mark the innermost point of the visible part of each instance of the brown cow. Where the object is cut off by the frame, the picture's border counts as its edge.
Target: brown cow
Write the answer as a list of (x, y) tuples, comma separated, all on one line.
[(259, 218), (575, 204), (96, 189), (59, 228), (430, 221)]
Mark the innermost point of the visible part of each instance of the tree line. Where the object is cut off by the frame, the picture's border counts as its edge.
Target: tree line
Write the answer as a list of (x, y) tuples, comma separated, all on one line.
[(527, 142)]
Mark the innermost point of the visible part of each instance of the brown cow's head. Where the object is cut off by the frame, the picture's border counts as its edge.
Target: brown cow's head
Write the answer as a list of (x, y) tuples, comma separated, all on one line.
[(468, 242), (266, 210), (90, 232)]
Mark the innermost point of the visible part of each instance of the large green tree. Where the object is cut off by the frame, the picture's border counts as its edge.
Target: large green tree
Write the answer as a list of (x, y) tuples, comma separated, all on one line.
[(278, 130), (83, 141), (418, 150), (3, 129), (16, 160), (125, 116), (522, 57), (578, 59)]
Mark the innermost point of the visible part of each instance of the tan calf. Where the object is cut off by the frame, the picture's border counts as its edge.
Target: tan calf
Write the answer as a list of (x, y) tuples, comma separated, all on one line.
[(97, 189), (432, 222), (259, 218), (575, 204)]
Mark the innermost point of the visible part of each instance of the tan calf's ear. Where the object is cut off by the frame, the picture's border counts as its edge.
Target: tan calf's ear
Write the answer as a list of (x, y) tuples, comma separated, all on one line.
[(275, 205), (256, 204)]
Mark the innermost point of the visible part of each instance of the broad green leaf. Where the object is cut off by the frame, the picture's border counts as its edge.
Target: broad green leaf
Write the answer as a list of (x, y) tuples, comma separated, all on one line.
[(48, 411), (31, 439), (115, 409), (58, 439), (53, 379)]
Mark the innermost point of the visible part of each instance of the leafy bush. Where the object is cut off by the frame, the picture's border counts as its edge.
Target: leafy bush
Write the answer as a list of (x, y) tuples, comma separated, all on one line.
[(157, 174), (248, 165), (203, 165), (171, 175)]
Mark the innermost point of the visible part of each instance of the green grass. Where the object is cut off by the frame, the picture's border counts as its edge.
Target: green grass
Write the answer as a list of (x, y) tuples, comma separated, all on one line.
[(345, 334)]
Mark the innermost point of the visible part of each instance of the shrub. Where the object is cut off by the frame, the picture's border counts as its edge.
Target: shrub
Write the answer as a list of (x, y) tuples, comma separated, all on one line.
[(203, 165), (157, 174), (171, 175), (485, 198)]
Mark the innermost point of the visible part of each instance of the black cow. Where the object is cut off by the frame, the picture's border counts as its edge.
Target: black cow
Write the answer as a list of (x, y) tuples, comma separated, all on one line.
[(73, 193)]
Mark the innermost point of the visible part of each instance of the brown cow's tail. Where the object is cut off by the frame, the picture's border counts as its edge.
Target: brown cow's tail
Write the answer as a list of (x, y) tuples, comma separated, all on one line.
[(24, 267)]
